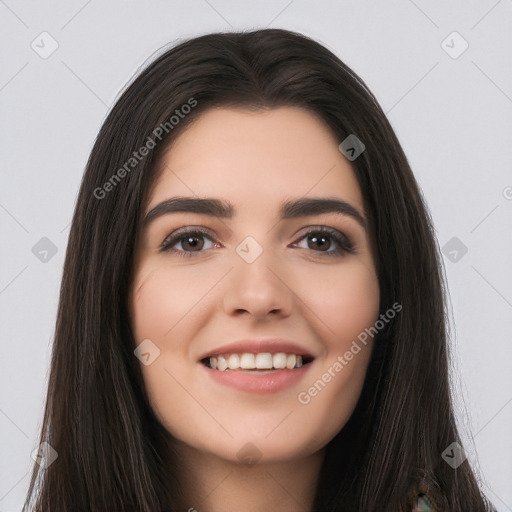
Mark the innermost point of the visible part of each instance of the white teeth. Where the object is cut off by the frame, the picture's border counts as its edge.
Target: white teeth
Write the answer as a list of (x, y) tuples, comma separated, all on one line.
[(234, 362), (279, 360), (290, 361), (248, 361), (261, 361), (264, 361), (222, 364)]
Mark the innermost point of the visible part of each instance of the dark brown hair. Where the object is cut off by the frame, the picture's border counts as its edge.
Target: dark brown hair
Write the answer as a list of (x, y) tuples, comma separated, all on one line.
[(112, 451)]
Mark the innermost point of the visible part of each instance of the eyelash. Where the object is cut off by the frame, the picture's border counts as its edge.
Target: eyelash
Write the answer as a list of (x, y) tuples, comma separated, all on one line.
[(344, 243)]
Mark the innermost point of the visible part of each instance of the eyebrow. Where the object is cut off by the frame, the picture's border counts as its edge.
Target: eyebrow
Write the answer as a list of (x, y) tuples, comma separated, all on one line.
[(290, 209)]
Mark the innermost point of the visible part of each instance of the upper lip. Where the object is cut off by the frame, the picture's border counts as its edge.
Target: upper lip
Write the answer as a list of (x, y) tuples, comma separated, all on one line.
[(253, 346)]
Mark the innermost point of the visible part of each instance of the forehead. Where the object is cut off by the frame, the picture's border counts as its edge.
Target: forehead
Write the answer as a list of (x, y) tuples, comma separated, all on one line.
[(256, 157)]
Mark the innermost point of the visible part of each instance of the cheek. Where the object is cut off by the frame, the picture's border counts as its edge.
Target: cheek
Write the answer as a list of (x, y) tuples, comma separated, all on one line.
[(347, 301), (165, 309), (161, 299), (158, 303)]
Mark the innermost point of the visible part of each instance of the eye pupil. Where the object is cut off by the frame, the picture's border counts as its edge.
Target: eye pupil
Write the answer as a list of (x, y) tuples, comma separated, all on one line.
[(192, 240), (315, 239)]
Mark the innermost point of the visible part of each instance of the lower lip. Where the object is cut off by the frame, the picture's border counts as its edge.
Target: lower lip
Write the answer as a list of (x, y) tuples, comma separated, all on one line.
[(258, 382)]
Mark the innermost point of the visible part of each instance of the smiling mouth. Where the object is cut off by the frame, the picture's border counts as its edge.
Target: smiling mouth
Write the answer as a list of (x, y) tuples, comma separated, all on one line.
[(263, 362)]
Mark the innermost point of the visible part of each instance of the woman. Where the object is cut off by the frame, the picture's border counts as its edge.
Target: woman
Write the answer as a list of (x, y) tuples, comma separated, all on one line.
[(252, 307)]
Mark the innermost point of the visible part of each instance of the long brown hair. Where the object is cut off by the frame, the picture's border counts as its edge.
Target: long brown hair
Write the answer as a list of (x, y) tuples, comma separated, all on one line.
[(112, 451)]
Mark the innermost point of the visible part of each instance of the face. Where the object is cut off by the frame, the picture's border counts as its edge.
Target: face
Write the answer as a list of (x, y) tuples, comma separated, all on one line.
[(281, 281)]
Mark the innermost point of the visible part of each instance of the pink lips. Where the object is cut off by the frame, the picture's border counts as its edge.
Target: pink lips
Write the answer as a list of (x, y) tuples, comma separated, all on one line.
[(268, 381)]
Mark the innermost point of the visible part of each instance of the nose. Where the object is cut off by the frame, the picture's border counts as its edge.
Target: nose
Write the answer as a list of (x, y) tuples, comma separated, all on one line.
[(258, 289)]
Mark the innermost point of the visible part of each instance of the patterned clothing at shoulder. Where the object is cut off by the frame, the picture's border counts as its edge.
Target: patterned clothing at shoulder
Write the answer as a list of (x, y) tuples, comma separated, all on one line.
[(423, 504)]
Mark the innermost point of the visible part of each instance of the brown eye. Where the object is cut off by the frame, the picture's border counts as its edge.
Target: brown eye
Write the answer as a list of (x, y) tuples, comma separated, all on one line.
[(321, 242), (192, 242), (187, 242), (321, 239)]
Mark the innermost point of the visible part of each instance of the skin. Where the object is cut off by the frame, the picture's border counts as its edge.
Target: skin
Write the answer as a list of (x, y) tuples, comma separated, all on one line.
[(189, 305)]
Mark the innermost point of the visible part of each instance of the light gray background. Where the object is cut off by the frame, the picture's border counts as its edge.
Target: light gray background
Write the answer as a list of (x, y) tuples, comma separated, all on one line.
[(453, 117)]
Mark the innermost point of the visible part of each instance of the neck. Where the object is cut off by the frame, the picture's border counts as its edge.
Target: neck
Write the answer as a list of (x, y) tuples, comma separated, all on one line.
[(212, 484)]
